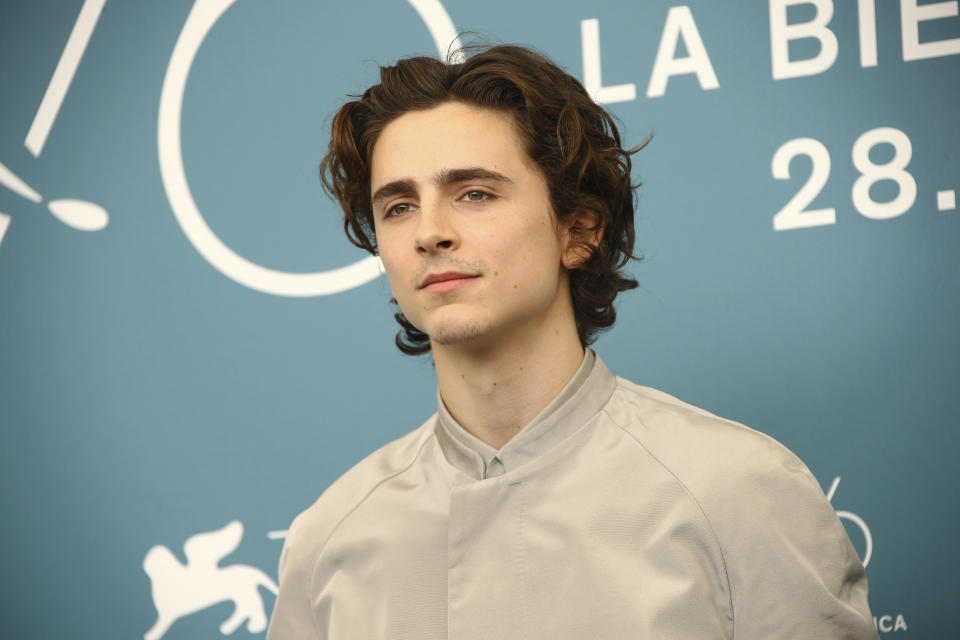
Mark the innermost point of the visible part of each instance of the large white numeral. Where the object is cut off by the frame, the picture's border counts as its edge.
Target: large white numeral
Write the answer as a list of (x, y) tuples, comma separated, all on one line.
[(871, 173), (793, 215)]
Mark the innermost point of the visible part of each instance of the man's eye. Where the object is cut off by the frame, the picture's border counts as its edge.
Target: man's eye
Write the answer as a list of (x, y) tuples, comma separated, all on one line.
[(476, 196), (398, 209)]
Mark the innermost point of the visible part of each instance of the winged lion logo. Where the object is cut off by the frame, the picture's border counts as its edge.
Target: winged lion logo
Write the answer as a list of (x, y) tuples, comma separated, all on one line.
[(182, 589)]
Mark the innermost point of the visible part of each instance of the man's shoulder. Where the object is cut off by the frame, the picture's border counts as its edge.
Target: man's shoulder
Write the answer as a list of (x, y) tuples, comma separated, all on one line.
[(314, 526), (662, 421), (784, 549), (716, 459)]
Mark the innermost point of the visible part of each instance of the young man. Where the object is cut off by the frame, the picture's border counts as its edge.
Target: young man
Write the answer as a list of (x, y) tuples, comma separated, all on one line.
[(546, 498)]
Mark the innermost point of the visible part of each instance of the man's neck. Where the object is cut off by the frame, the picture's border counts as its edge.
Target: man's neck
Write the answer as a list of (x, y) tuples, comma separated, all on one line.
[(493, 393)]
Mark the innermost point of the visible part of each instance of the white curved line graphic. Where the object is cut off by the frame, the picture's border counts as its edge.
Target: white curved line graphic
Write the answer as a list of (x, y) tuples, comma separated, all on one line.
[(857, 520), (441, 28), (203, 16)]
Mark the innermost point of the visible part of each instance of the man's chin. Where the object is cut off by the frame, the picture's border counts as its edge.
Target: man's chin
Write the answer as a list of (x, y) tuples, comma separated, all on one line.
[(460, 334)]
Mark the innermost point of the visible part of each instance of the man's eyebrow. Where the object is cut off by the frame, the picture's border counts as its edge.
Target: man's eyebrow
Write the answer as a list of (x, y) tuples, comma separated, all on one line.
[(392, 189), (451, 176), (445, 177)]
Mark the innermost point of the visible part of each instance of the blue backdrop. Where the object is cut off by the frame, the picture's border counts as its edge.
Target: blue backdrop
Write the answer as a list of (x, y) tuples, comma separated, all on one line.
[(190, 351)]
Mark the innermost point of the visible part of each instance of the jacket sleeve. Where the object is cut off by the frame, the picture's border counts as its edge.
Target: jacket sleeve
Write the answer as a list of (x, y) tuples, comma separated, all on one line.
[(793, 571), (292, 617)]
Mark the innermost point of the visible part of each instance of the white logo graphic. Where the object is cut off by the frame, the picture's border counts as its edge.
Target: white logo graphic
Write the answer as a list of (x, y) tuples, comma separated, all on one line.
[(79, 214), (887, 622), (203, 16), (180, 590), (855, 519)]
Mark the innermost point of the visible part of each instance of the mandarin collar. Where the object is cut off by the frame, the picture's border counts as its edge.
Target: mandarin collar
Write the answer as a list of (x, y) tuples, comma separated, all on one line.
[(583, 396)]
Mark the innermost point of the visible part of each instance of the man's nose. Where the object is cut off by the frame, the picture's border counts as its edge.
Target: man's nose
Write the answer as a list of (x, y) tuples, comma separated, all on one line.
[(436, 230)]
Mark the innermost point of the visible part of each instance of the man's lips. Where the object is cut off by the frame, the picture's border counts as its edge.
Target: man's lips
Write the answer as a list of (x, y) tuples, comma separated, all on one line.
[(446, 281)]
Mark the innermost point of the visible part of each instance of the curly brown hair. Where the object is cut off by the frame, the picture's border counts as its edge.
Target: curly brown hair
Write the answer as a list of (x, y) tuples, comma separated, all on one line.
[(573, 140)]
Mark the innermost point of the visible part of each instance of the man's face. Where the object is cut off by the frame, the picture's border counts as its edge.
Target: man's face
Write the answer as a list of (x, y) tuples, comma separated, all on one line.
[(465, 227)]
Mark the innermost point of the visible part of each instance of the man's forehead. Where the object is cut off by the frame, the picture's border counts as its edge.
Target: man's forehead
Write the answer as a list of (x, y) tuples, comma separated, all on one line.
[(446, 143)]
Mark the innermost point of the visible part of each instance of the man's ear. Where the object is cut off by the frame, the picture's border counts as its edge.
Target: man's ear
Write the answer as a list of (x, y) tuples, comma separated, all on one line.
[(583, 237)]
